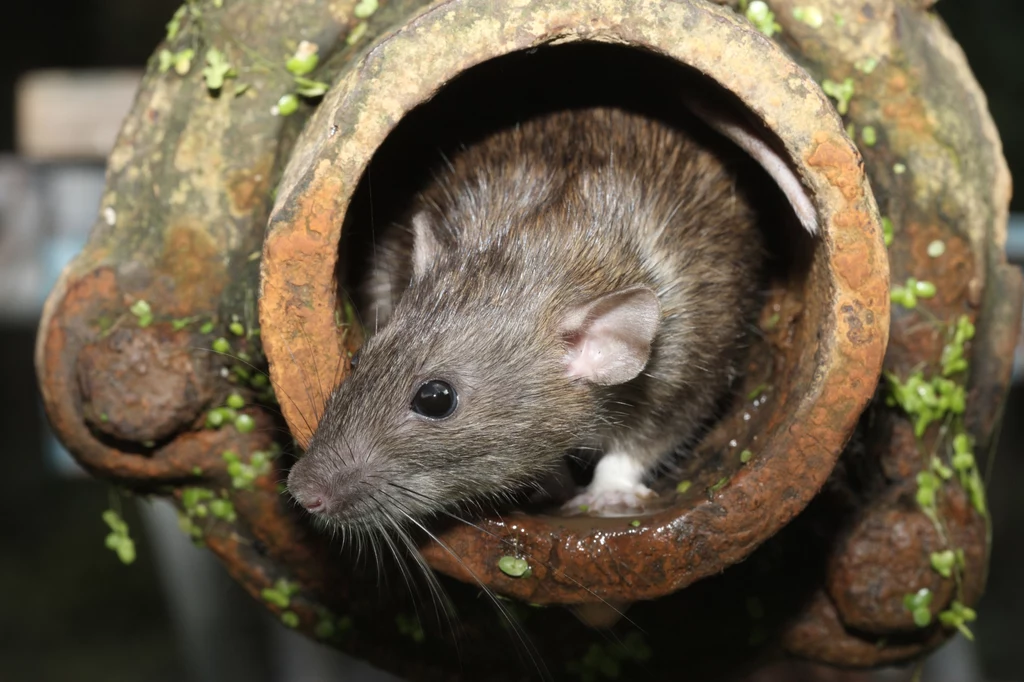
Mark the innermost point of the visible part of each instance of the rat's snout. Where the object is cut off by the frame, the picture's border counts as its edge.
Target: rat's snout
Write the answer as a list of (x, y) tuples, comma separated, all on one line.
[(323, 493)]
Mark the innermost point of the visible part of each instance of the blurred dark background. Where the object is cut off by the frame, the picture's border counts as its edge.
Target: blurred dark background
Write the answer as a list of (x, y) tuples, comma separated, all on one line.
[(71, 611)]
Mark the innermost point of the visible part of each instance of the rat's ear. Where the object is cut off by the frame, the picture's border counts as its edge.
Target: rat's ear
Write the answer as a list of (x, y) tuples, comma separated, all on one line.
[(610, 337), (425, 245)]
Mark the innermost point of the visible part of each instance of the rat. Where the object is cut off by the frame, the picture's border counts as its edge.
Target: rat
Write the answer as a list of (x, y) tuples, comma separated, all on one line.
[(583, 281)]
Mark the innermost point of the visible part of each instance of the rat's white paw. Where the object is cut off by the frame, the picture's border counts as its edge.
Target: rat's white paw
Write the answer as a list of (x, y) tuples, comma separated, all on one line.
[(611, 501), (616, 490)]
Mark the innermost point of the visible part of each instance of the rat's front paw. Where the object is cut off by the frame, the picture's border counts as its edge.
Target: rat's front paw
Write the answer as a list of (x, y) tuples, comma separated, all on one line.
[(621, 500)]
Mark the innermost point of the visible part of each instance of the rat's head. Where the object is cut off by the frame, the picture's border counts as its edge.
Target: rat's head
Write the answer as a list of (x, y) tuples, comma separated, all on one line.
[(478, 384)]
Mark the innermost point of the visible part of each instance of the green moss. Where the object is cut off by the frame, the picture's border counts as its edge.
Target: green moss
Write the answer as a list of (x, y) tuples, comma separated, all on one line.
[(119, 540), (244, 474), (842, 93), (957, 616), (757, 391), (943, 562), (888, 233), (866, 64), (358, 32), (410, 627), (280, 595), (287, 105), (811, 16), (722, 482), (364, 9), (217, 69), (305, 59), (245, 423), (514, 567), (936, 248), (142, 312), (918, 604), (763, 18)]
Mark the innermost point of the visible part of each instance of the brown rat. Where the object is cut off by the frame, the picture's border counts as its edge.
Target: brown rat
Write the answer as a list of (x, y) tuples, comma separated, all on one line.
[(582, 281)]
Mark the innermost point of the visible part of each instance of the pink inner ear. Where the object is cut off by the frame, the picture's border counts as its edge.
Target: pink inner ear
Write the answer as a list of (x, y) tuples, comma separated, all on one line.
[(610, 337)]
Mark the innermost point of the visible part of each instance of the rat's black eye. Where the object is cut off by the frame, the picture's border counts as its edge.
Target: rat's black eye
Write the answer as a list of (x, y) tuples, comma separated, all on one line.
[(435, 399), (354, 360)]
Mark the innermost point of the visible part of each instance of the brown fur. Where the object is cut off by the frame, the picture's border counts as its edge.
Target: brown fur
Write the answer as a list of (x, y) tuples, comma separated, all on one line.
[(528, 223)]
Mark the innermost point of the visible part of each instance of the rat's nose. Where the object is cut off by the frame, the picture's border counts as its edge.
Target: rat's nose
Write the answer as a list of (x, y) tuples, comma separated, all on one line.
[(322, 493), (314, 505)]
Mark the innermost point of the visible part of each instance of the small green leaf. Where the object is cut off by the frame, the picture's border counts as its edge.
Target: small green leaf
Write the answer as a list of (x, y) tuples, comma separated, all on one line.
[(166, 58), (364, 9), (757, 391), (899, 168), (745, 456), (305, 59), (244, 423), (513, 566), (236, 328), (869, 135), (811, 16), (217, 69), (635, 523), (142, 310), (722, 482), (842, 93), (940, 468), (183, 61), (174, 25), (358, 32), (235, 401), (922, 597), (943, 562), (866, 64), (287, 105), (683, 486), (763, 18), (206, 328), (290, 619), (310, 88), (924, 289)]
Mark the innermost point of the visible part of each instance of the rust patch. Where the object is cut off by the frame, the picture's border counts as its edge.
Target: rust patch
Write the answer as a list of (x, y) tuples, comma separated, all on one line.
[(194, 265), (143, 384), (249, 188), (839, 163)]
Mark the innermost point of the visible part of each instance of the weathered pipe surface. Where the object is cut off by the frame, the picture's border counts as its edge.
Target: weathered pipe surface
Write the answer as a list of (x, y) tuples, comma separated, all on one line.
[(809, 549)]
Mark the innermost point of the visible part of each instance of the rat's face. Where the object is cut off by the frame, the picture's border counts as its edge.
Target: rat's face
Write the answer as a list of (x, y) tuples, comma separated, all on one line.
[(442, 407)]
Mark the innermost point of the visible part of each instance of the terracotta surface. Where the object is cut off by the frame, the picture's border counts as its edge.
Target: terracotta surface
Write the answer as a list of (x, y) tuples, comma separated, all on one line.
[(793, 555)]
